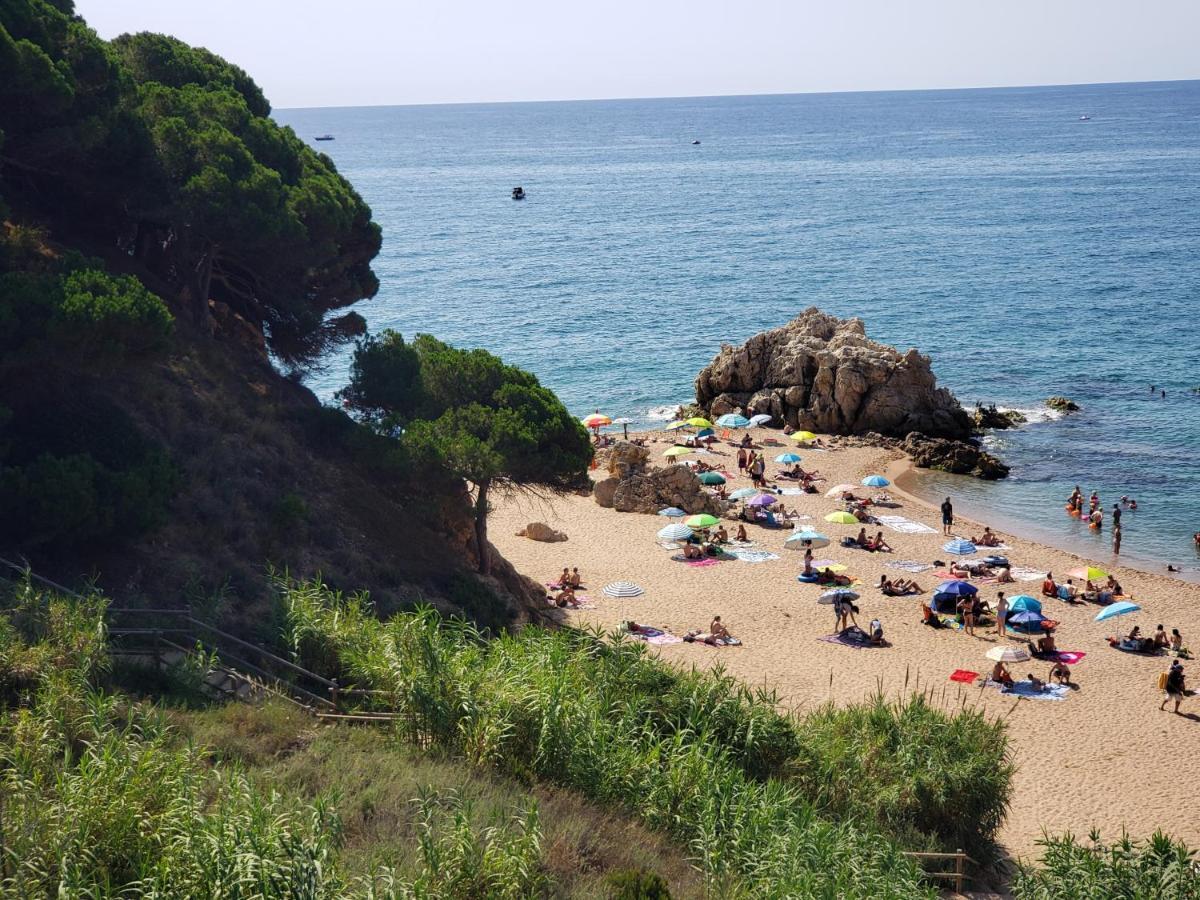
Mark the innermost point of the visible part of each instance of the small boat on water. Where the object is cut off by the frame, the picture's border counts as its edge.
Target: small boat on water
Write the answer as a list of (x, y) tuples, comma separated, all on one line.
[(695, 143), (518, 193), (323, 137), (1085, 118)]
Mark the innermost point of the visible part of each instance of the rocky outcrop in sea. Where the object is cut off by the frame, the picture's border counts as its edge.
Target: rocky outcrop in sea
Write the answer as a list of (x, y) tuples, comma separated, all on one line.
[(823, 374)]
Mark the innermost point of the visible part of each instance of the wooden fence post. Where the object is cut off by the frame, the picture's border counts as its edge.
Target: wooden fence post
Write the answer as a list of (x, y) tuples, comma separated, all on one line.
[(958, 870), (157, 649), (335, 696)]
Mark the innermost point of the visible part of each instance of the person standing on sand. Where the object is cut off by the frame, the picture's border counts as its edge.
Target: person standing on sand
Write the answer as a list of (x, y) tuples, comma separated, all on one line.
[(1001, 612), (947, 516), (1116, 539), (741, 459), (1174, 687)]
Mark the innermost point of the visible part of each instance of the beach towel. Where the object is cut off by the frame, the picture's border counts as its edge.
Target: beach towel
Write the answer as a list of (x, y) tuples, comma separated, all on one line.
[(696, 563), (962, 676), (849, 638), (702, 637), (791, 492), (951, 622), (1070, 657), (754, 556), (1021, 573), (655, 636), (909, 565), (581, 602), (822, 563), (905, 526), (1025, 689), (669, 545)]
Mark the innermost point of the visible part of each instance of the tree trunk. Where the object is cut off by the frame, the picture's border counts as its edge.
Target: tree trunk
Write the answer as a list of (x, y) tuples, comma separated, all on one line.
[(481, 511)]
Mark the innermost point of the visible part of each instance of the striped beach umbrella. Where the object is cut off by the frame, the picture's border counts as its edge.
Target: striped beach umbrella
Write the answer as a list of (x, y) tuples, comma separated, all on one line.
[(959, 547), (675, 532), (1007, 654), (836, 594), (673, 511), (623, 589), (760, 420), (733, 420), (596, 420)]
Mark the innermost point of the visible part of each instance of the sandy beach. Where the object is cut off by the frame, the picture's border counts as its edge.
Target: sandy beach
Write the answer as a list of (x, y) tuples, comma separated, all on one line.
[(1104, 756)]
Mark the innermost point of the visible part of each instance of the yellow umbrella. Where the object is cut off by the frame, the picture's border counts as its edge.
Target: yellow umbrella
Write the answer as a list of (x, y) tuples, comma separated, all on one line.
[(699, 422), (841, 518), (802, 435), (677, 451), (675, 426), (1088, 573)]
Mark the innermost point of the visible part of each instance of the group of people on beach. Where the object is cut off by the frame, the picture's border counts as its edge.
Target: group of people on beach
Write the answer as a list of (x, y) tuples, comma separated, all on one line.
[(1094, 515), (564, 587)]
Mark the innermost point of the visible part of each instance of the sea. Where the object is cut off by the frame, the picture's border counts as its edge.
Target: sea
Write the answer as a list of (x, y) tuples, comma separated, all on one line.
[(1033, 241)]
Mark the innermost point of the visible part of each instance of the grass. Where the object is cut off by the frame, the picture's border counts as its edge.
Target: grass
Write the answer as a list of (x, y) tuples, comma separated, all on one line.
[(1155, 869)]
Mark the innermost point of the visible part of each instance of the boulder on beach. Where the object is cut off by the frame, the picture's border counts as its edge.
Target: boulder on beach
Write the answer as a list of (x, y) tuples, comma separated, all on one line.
[(539, 531), (634, 486), (824, 374)]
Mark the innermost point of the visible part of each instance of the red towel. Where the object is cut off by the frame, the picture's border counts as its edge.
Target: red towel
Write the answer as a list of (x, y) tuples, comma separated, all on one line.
[(964, 676)]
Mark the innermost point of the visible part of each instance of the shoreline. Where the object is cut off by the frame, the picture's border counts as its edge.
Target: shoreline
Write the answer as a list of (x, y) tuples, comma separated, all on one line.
[(1104, 756)]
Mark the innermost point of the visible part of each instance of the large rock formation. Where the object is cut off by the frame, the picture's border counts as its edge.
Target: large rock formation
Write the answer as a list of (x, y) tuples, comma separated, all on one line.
[(823, 374), (957, 457), (632, 486)]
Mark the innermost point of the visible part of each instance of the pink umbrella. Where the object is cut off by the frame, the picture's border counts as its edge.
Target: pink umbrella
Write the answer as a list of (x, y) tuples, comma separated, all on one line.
[(761, 500)]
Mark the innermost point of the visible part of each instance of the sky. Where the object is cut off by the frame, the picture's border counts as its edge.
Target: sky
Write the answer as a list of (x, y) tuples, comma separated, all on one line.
[(381, 52)]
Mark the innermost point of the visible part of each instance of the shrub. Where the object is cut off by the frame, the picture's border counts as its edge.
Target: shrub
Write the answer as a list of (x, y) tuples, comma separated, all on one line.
[(634, 884), (111, 314), (1138, 870)]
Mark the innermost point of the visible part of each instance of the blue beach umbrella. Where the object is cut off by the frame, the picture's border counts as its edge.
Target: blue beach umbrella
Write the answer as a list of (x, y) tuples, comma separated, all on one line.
[(1117, 609), (875, 481), (806, 539), (1023, 602), (675, 532), (743, 493), (673, 511), (1024, 617), (959, 547), (787, 458), (704, 432), (733, 420), (956, 589)]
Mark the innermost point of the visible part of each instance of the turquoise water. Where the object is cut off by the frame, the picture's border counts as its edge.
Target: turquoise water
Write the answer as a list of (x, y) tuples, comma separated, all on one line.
[(1029, 252)]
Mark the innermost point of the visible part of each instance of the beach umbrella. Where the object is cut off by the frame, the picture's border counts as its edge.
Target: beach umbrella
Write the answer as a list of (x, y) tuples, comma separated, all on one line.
[(699, 422), (1008, 654), (1088, 573), (595, 420), (677, 451), (711, 478), (1023, 602), (675, 532), (759, 420), (1117, 609), (830, 597), (624, 423), (743, 493), (623, 589), (1024, 617), (802, 436), (674, 426), (704, 432), (956, 589), (841, 518), (787, 458), (838, 489), (761, 500), (673, 511), (875, 481), (959, 547), (704, 520), (733, 420), (802, 540)]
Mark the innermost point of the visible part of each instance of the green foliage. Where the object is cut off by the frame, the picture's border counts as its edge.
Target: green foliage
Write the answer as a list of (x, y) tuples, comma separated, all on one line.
[(385, 379), (609, 721), (910, 768), (634, 884), (1155, 869), (111, 315)]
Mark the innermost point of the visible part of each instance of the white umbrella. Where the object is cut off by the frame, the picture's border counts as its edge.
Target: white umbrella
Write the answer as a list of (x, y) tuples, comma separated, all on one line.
[(675, 532), (760, 419), (838, 489), (623, 589), (831, 597), (1008, 654), (801, 540)]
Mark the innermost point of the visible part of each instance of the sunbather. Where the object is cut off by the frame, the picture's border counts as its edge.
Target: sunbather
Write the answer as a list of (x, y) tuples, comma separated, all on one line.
[(876, 633), (722, 536), (827, 576), (987, 539), (717, 629), (1001, 675), (1049, 588), (898, 587), (862, 540), (1046, 644), (1036, 683), (576, 578), (929, 617), (959, 571), (1160, 638), (741, 533)]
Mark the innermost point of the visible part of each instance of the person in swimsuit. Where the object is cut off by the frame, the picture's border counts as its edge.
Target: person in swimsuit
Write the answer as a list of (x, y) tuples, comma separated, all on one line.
[(947, 516)]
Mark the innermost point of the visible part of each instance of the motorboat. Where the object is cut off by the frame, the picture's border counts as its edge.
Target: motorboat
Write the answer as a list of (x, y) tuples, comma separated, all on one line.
[(518, 193), (323, 137), (1085, 118), (695, 143)]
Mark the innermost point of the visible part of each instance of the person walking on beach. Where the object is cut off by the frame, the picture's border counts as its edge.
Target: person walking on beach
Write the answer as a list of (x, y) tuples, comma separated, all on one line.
[(947, 515), (1001, 612), (1174, 686), (1116, 540)]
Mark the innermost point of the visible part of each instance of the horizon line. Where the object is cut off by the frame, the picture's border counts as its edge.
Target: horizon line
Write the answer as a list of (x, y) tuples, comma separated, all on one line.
[(987, 87)]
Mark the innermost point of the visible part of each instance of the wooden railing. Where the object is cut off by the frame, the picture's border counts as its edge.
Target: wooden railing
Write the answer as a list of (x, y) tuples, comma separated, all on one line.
[(960, 860)]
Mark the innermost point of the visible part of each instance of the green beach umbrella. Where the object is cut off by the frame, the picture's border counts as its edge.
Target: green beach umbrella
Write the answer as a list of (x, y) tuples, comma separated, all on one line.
[(704, 520), (711, 478), (699, 422), (841, 518), (677, 451)]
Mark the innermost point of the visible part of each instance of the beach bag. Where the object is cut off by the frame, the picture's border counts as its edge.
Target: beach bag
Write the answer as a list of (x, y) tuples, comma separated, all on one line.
[(1162, 680)]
